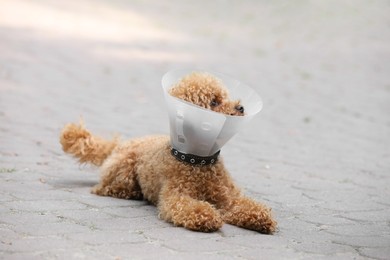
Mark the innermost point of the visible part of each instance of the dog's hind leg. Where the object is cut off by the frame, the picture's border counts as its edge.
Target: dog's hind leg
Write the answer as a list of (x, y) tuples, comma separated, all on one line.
[(119, 178)]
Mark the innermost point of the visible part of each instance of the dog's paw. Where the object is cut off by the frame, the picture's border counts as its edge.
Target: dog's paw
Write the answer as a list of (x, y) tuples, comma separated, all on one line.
[(249, 214), (199, 216), (204, 221), (266, 226)]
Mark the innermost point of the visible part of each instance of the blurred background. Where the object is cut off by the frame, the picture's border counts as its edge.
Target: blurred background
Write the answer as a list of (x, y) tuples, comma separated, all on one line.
[(320, 67), (319, 148)]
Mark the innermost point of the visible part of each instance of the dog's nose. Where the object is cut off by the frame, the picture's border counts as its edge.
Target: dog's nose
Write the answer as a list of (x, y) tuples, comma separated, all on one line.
[(240, 108)]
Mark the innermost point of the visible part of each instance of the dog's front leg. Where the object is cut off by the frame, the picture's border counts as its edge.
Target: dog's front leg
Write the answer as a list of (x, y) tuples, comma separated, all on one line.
[(246, 213), (184, 211)]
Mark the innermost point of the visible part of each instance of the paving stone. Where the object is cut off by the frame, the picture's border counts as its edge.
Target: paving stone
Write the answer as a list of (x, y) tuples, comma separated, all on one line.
[(266, 253), (131, 224), (103, 202), (132, 210), (148, 250), (317, 153), (360, 229), (363, 241), (50, 229), (34, 245), (232, 231), (76, 253), (257, 241), (325, 248), (43, 205), (176, 232), (91, 214), (99, 237), (204, 245), (376, 253), (15, 217), (373, 216)]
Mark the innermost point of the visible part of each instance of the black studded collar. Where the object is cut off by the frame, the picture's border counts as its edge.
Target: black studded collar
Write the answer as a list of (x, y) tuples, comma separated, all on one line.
[(194, 159)]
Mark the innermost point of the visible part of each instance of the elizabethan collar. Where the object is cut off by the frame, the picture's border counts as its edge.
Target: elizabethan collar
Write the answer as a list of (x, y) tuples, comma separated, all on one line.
[(202, 132)]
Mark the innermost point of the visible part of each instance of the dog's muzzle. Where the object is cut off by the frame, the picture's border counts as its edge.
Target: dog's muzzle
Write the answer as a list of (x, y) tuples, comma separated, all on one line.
[(194, 159)]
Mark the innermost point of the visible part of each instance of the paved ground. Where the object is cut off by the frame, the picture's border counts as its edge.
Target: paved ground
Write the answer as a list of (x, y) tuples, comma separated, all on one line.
[(318, 153)]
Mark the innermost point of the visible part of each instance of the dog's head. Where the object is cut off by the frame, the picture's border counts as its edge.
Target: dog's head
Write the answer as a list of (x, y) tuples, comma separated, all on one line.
[(206, 91)]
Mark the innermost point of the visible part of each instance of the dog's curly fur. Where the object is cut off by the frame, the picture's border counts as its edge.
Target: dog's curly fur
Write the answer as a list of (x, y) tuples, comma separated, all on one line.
[(199, 198)]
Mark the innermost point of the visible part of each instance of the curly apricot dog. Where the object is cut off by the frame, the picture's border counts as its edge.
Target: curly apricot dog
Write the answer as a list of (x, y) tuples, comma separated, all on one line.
[(199, 198)]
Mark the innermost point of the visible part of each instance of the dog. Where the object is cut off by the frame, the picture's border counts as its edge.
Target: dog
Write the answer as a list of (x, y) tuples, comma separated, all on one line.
[(200, 198)]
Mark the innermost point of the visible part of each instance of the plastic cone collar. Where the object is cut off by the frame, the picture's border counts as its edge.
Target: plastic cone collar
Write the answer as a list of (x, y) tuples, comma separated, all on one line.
[(202, 132)]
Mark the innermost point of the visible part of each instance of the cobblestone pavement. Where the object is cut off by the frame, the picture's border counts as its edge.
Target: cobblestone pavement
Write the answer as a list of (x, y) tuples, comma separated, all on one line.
[(318, 153)]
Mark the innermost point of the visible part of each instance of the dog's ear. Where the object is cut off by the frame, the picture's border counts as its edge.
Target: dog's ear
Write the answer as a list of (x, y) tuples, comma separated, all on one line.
[(177, 91), (193, 93), (201, 89)]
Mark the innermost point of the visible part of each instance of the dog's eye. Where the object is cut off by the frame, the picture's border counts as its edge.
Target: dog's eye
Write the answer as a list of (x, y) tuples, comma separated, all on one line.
[(214, 103)]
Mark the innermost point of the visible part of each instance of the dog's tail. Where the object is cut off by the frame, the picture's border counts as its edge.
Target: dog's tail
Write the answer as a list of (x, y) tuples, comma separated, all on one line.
[(76, 140)]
